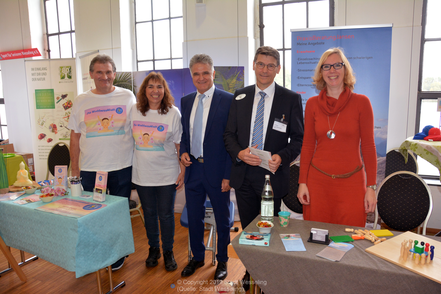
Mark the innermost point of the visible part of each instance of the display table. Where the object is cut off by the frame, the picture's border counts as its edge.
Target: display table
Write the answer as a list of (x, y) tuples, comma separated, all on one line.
[(82, 245), (430, 151), (277, 271)]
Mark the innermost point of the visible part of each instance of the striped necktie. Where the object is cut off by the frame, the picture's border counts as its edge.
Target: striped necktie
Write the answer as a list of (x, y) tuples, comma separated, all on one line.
[(258, 123)]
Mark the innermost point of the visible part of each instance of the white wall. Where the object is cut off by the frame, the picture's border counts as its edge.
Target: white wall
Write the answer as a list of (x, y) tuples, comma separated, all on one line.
[(15, 35), (405, 16), (220, 29)]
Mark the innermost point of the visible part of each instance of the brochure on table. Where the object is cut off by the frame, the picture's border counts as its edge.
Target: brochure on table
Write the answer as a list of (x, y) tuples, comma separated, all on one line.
[(71, 207), (254, 238)]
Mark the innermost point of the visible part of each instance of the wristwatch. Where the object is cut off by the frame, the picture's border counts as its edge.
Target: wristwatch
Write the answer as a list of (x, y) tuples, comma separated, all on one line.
[(373, 187)]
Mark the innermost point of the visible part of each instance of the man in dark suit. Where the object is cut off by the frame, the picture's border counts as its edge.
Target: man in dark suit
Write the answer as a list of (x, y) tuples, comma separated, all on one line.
[(281, 128), (208, 165)]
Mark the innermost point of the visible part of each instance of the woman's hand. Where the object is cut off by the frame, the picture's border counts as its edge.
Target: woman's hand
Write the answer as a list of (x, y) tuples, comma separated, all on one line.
[(303, 194), (180, 181), (370, 200)]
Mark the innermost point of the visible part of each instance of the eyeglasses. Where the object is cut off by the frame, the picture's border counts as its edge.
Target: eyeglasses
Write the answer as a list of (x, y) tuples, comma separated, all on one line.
[(262, 65), (336, 66)]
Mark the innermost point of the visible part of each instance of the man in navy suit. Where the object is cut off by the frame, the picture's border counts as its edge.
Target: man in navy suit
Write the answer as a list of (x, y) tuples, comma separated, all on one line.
[(282, 135), (208, 165)]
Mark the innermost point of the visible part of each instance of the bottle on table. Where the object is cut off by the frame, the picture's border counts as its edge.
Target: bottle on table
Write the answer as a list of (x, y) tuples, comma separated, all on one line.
[(267, 204)]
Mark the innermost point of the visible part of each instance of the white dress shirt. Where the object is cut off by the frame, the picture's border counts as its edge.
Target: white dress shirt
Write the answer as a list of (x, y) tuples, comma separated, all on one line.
[(267, 110)]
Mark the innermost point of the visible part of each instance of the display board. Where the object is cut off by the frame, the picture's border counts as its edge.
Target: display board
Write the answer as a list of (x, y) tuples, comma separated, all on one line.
[(368, 49), (52, 88)]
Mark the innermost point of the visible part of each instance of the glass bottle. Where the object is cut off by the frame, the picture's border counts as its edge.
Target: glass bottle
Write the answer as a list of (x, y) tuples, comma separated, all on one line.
[(267, 204)]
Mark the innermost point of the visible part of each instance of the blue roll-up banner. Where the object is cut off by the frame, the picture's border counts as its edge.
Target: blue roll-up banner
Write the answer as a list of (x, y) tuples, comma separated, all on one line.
[(368, 49)]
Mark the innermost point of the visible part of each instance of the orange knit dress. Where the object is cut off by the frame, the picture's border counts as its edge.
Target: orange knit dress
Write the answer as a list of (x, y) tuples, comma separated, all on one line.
[(339, 200)]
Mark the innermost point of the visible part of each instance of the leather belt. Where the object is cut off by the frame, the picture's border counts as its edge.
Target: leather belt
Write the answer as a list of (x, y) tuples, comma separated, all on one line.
[(200, 159), (342, 176)]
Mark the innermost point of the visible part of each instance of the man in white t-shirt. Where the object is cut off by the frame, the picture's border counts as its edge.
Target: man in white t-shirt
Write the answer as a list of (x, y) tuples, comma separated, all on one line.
[(101, 136)]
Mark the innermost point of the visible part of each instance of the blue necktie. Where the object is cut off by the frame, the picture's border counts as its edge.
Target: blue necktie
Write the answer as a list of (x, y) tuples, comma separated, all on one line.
[(258, 123), (197, 129)]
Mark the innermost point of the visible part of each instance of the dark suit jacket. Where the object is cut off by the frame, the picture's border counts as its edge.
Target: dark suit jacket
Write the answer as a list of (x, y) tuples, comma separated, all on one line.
[(217, 162), (237, 134)]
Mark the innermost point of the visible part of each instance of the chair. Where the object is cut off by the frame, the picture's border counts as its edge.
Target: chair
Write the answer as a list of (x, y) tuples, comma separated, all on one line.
[(135, 207), (59, 155), (395, 162), (404, 202), (291, 201), (211, 222)]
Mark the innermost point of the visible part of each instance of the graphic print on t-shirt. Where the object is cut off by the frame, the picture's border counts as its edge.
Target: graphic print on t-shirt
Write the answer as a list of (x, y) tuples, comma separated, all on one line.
[(149, 136), (105, 121)]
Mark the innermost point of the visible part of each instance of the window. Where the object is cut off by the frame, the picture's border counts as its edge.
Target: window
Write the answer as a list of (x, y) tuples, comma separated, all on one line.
[(429, 86), (3, 126), (60, 28), (278, 17), (159, 34)]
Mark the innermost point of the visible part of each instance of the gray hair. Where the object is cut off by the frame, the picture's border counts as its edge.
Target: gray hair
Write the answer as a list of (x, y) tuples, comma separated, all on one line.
[(201, 58), (102, 58)]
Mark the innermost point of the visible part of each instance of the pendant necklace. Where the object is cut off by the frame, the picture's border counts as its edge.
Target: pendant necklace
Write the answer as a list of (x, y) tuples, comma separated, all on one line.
[(331, 133)]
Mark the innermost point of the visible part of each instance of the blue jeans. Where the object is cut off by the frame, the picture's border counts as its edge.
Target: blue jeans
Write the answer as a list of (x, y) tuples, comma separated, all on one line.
[(159, 202), (119, 182)]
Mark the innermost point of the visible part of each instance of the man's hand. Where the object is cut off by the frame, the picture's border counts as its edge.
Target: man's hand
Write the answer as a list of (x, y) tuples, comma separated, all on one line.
[(225, 185), (275, 162), (185, 159), (251, 159)]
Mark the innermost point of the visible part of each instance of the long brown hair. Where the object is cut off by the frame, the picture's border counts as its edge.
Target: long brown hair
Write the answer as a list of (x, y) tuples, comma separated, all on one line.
[(166, 102)]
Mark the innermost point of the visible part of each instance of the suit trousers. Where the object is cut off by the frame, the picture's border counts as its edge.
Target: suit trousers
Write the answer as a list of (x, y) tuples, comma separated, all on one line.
[(249, 195), (196, 190)]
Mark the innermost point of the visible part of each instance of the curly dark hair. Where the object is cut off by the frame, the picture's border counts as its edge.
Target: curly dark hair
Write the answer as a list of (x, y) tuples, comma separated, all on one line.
[(143, 103)]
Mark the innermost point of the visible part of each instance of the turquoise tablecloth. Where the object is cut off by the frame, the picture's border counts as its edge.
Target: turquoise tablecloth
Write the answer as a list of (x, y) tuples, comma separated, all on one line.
[(82, 245)]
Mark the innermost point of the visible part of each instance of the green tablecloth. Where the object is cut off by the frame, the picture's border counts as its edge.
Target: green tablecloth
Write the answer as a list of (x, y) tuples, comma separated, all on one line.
[(13, 166), (430, 151)]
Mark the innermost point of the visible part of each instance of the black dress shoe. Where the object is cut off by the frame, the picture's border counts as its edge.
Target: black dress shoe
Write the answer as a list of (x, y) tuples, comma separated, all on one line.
[(152, 259), (221, 271), (191, 267), (246, 281)]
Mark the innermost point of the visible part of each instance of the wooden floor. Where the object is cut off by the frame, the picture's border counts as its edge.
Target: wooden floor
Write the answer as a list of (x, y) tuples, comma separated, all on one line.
[(44, 277)]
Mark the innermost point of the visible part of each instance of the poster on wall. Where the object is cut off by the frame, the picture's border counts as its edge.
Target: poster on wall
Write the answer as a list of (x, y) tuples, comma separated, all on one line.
[(368, 49), (52, 88), (227, 78)]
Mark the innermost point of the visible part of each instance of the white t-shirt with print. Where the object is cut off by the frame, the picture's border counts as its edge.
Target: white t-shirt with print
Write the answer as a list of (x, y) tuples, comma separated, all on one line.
[(106, 142), (155, 159)]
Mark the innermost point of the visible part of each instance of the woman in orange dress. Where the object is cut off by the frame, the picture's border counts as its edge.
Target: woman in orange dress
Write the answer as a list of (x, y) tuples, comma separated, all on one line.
[(334, 185)]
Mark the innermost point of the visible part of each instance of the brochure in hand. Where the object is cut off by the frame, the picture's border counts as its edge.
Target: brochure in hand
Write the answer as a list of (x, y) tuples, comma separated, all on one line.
[(254, 238)]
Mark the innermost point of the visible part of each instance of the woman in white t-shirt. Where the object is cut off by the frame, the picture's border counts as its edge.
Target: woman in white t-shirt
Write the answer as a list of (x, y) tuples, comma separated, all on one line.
[(157, 174)]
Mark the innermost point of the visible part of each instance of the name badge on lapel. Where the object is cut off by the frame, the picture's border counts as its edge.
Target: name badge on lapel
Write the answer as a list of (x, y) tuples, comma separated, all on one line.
[(280, 124)]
